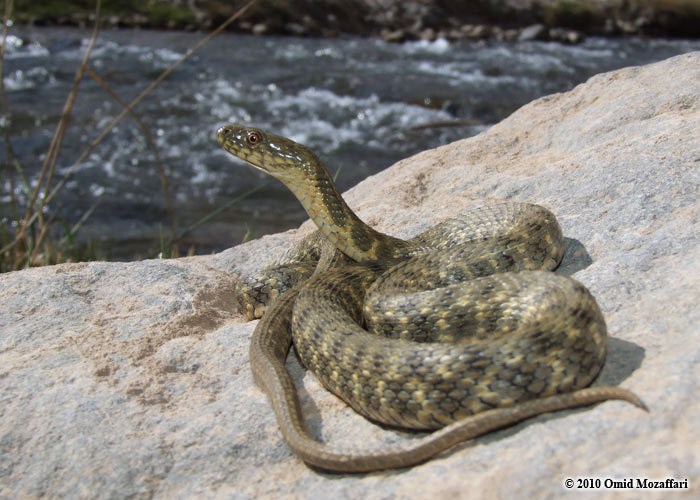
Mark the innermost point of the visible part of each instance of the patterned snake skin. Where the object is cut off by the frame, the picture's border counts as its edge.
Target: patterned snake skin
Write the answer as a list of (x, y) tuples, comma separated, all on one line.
[(469, 330)]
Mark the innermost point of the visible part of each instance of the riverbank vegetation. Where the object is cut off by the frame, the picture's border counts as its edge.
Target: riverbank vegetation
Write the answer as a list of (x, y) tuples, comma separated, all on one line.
[(131, 13), (394, 20)]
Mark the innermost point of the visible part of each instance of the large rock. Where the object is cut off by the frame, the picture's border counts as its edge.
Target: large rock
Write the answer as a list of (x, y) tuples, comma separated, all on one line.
[(132, 380)]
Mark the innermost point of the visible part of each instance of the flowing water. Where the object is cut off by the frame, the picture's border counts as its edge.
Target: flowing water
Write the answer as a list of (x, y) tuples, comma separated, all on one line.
[(356, 102)]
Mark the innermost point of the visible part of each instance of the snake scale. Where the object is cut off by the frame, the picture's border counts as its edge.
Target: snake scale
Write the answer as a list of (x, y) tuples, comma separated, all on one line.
[(461, 328)]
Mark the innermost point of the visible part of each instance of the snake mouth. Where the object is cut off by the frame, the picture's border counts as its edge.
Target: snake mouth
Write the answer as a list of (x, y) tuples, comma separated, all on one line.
[(229, 140), (221, 132)]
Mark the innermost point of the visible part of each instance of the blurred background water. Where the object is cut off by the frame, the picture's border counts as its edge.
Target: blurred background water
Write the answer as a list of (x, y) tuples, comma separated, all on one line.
[(357, 102)]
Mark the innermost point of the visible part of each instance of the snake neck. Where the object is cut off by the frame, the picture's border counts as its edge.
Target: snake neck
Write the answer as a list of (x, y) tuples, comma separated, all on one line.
[(339, 224), (306, 176)]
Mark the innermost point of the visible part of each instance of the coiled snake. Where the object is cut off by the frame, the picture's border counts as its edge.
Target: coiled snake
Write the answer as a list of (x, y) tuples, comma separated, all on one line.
[(471, 331)]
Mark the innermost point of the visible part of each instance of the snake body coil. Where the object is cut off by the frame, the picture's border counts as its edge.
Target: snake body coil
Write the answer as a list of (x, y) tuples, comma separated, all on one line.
[(470, 331)]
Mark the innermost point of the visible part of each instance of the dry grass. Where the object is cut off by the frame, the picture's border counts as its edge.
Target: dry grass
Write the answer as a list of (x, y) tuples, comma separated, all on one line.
[(31, 239)]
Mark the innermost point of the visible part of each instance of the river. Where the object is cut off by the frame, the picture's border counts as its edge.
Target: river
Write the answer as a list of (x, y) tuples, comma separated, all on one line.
[(357, 102)]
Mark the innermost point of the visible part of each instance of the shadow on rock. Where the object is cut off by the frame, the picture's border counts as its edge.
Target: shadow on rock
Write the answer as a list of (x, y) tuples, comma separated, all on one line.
[(623, 359), (575, 259)]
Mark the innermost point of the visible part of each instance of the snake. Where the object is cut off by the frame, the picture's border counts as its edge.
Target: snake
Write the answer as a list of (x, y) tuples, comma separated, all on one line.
[(460, 330)]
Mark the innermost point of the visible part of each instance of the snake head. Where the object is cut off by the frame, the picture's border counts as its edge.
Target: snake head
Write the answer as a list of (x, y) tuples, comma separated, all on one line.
[(277, 156)]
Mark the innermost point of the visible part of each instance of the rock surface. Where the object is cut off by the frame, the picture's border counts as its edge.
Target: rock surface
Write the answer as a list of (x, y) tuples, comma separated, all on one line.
[(131, 379)]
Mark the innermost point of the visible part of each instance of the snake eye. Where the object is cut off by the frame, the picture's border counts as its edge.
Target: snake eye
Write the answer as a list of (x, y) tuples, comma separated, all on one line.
[(253, 138)]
